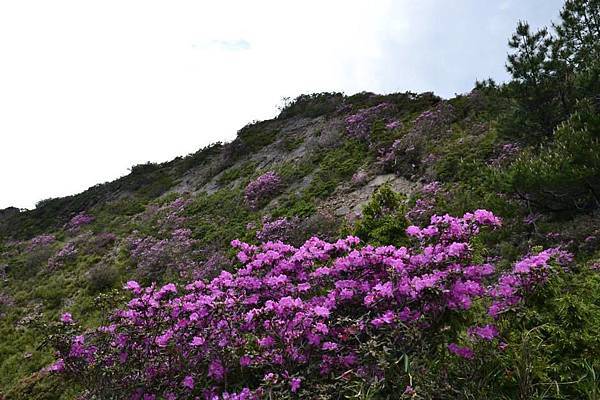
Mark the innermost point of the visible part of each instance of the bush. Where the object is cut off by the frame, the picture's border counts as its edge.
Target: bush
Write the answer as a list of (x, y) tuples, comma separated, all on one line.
[(102, 277), (311, 105), (253, 137), (336, 166), (325, 318), (382, 220), (233, 173), (563, 175), (358, 125), (261, 189)]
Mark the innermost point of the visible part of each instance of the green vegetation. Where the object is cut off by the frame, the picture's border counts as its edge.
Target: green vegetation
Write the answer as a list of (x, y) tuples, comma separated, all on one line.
[(383, 219)]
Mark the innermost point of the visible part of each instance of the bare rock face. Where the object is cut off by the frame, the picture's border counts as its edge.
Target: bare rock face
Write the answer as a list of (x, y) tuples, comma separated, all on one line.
[(348, 201), (309, 135), (296, 140)]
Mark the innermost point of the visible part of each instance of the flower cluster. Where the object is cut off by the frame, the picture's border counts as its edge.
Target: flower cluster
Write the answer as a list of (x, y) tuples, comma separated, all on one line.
[(66, 253), (41, 241), (216, 262), (262, 188), (78, 221), (426, 202), (153, 256), (532, 218), (166, 217), (290, 318), (506, 154), (431, 123), (393, 125), (358, 125), (359, 178), (527, 274), (280, 229), (6, 303)]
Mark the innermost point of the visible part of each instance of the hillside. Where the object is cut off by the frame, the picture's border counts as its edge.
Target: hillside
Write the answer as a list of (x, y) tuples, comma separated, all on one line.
[(502, 303)]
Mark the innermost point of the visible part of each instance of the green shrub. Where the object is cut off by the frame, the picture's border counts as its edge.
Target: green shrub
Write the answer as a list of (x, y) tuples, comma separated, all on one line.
[(382, 221), (290, 143), (233, 173), (336, 166), (256, 135), (102, 277), (311, 105), (563, 175)]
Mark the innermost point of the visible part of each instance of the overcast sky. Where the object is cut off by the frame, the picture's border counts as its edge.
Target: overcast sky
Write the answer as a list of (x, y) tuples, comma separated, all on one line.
[(90, 88)]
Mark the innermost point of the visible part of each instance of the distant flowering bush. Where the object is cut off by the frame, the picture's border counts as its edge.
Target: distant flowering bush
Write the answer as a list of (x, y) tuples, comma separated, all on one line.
[(281, 229), (532, 218), (216, 262), (359, 178), (66, 253), (429, 124), (78, 221), (426, 202), (154, 256), (41, 241), (102, 276), (291, 321), (6, 303), (358, 125), (94, 243), (166, 217), (37, 251), (393, 125), (505, 154), (170, 215), (262, 188), (102, 240), (435, 121)]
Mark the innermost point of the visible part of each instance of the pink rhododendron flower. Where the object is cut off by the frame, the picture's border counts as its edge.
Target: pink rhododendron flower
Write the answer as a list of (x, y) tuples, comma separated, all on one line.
[(295, 384), (67, 318), (188, 382), (464, 352)]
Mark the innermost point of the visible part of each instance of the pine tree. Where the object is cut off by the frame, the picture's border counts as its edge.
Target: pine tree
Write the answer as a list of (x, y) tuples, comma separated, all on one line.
[(532, 84), (527, 63)]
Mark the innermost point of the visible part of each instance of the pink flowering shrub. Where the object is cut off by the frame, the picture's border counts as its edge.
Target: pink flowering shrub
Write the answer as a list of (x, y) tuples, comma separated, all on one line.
[(153, 256), (262, 188), (433, 122), (293, 321), (359, 178), (78, 221), (505, 155), (426, 202), (216, 262), (41, 241), (405, 153), (277, 230), (38, 251), (166, 217), (66, 253), (6, 303), (358, 125), (94, 243), (393, 125)]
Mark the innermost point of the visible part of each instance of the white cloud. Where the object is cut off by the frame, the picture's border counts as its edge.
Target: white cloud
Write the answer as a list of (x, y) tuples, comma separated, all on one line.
[(230, 45), (88, 88)]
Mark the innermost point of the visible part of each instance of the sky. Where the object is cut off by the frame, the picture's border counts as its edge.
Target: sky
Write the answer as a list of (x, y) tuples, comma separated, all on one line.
[(90, 88)]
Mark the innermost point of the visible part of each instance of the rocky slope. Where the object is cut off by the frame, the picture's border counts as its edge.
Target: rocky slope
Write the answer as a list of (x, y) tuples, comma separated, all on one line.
[(321, 161)]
